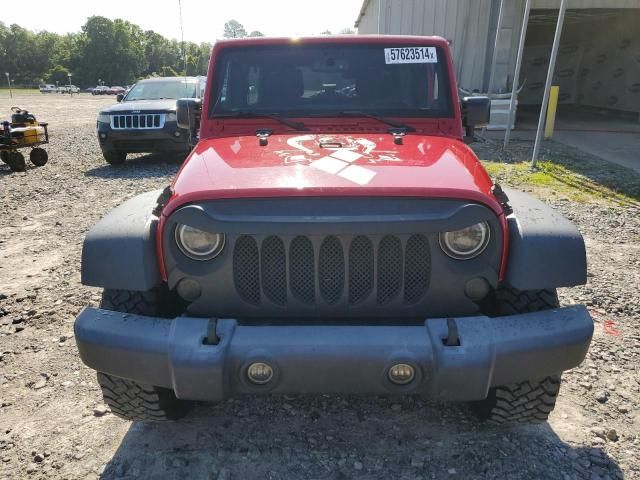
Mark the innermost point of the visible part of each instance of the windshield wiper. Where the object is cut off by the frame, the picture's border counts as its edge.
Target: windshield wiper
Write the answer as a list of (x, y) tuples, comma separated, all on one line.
[(388, 121), (274, 116)]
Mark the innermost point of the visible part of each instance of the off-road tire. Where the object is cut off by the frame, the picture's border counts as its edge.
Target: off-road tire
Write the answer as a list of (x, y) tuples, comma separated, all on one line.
[(115, 158), (509, 301), (4, 156), (144, 403), (126, 398), (16, 162), (38, 156), (530, 401)]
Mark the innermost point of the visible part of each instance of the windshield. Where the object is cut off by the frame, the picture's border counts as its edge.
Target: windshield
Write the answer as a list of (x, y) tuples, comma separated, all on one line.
[(161, 89), (325, 80)]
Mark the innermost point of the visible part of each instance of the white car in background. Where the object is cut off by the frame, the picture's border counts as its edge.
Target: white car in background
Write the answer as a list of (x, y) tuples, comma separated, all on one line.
[(48, 88), (69, 89), (100, 90)]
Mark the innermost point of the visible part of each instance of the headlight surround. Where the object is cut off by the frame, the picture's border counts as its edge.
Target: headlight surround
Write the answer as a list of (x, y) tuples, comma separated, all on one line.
[(104, 118), (198, 244), (170, 117), (466, 243)]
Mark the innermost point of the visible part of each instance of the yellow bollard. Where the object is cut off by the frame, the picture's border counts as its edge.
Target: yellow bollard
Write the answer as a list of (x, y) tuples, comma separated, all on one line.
[(551, 112)]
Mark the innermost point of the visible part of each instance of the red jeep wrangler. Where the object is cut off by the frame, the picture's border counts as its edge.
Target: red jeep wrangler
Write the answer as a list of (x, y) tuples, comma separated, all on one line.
[(332, 232)]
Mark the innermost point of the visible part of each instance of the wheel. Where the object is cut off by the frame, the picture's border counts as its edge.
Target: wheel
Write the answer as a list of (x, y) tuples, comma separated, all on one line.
[(4, 156), (16, 162), (127, 398), (529, 401), (115, 158), (38, 156)]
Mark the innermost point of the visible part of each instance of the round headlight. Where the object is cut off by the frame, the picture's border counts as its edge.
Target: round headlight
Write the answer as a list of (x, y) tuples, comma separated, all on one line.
[(198, 244), (466, 243)]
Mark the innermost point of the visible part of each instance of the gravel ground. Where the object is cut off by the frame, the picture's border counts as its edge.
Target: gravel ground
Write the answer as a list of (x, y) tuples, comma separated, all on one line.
[(54, 425)]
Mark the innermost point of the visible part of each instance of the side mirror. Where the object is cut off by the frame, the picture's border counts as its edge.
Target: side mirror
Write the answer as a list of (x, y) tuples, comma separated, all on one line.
[(188, 111), (119, 97), (476, 112)]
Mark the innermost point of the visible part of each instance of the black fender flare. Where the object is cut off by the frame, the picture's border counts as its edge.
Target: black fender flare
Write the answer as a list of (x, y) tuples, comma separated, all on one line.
[(545, 249), (119, 251)]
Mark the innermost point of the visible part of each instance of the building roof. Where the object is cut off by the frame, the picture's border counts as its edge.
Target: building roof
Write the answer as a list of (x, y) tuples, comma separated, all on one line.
[(363, 9)]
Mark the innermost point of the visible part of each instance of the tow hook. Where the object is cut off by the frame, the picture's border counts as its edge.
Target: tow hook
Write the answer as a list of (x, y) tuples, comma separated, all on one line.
[(212, 336), (453, 338)]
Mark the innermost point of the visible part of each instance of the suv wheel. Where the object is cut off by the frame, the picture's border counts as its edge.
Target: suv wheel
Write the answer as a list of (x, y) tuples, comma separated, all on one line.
[(529, 401), (115, 158), (127, 398)]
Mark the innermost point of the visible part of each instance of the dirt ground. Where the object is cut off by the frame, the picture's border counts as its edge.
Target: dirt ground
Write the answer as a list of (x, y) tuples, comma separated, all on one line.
[(53, 423)]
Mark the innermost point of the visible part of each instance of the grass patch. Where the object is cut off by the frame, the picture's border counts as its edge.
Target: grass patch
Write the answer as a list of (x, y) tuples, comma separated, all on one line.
[(560, 179), (19, 91)]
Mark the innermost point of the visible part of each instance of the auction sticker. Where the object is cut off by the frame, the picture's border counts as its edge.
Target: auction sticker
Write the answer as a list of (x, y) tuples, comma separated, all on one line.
[(410, 55)]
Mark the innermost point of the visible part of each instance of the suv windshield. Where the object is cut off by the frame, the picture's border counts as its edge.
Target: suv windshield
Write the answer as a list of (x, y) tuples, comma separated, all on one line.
[(160, 89), (327, 80)]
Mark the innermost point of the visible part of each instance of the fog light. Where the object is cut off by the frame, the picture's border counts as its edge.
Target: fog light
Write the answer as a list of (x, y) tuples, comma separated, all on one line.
[(260, 373), (402, 373), (177, 133), (189, 289), (103, 135), (476, 288)]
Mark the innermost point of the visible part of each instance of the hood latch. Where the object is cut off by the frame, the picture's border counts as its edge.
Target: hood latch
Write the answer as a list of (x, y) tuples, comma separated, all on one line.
[(263, 135), (398, 134)]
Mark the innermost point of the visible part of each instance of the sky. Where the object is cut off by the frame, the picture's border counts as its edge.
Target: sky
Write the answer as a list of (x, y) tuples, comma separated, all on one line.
[(203, 20)]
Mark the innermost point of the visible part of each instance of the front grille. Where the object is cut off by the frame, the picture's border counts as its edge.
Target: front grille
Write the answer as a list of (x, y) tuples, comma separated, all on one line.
[(332, 270), (138, 121)]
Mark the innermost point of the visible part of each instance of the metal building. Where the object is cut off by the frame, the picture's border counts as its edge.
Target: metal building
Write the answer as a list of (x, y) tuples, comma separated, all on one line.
[(599, 59)]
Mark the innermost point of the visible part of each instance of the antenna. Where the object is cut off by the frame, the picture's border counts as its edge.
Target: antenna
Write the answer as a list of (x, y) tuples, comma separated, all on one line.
[(184, 54)]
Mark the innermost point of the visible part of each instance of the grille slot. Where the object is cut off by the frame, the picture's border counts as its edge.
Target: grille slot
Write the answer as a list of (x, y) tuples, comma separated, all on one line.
[(389, 269), (331, 269), (274, 270), (302, 270), (417, 268), (139, 121), (246, 271), (361, 266)]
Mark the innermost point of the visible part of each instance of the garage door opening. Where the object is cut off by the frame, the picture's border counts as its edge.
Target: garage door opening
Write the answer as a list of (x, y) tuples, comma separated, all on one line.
[(597, 70)]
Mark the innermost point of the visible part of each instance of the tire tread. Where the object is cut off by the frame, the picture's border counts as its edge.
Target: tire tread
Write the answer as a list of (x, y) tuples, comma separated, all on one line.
[(529, 401), (126, 398)]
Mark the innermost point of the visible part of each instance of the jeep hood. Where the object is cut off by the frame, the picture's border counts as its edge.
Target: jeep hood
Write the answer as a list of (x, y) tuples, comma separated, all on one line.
[(168, 105), (309, 164)]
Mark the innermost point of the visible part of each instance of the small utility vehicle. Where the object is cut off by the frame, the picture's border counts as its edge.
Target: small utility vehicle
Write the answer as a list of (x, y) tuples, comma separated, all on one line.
[(23, 131), (332, 232)]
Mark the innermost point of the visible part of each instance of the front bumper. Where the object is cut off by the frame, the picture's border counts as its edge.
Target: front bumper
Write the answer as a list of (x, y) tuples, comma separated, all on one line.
[(331, 358), (141, 141)]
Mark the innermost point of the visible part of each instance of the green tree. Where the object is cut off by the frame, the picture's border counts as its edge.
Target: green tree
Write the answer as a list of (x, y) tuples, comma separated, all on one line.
[(111, 50), (158, 52), (234, 29), (256, 33), (167, 71), (115, 51), (57, 74), (347, 31)]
